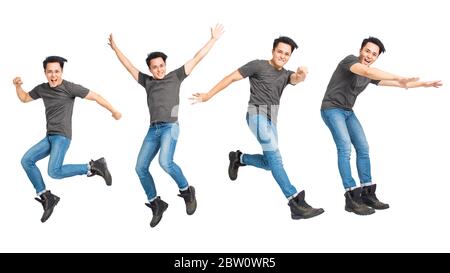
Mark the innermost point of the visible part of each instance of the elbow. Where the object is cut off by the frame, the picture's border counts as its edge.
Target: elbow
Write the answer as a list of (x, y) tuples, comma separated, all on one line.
[(368, 73)]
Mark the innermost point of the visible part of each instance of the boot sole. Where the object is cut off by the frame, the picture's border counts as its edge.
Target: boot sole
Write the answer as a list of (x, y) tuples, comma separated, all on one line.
[(230, 167), (359, 213), (298, 217)]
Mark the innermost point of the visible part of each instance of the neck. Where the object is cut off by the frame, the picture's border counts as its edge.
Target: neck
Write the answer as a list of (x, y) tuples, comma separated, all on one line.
[(275, 66)]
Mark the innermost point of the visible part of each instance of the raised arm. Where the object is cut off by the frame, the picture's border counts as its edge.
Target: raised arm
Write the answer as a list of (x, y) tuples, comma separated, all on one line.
[(124, 60), (298, 76), (21, 94), (100, 100), (435, 84), (202, 97), (216, 32)]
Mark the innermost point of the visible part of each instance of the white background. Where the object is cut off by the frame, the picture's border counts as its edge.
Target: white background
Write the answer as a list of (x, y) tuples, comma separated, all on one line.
[(407, 129)]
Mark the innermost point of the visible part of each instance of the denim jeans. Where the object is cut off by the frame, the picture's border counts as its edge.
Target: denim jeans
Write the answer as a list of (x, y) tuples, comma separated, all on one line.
[(162, 137), (56, 146), (347, 130), (266, 134)]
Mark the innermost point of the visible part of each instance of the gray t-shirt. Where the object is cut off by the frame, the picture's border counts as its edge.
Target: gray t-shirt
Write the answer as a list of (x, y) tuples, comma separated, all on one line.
[(266, 87), (345, 86), (58, 103), (163, 96)]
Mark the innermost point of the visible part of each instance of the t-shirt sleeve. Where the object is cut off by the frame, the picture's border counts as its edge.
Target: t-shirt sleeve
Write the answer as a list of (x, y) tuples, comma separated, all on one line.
[(181, 73), (77, 90), (348, 61), (289, 73), (34, 94), (143, 78), (248, 69), (376, 82)]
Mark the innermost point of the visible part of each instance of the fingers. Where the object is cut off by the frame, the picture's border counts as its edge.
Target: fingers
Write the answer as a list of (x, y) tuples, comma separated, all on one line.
[(217, 31), (17, 81), (117, 115)]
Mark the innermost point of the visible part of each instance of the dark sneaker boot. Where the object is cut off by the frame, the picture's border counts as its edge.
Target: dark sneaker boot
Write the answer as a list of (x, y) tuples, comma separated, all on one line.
[(235, 163), (370, 199), (99, 167), (158, 207), (48, 201), (300, 209), (190, 200), (353, 203)]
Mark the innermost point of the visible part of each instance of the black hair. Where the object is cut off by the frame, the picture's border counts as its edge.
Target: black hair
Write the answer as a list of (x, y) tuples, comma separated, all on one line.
[(374, 41), (155, 55), (285, 40), (54, 59)]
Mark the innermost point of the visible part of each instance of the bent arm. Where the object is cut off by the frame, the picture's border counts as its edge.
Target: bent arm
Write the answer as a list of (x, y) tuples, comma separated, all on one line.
[(215, 35), (21, 94), (298, 76), (101, 101), (124, 60), (224, 83)]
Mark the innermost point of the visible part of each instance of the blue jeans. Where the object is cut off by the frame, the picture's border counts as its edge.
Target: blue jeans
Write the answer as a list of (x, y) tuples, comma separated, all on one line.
[(347, 130), (162, 137), (266, 133), (56, 146)]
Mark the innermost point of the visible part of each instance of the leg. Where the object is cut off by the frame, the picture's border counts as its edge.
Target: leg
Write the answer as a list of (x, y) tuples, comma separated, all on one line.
[(149, 148), (34, 154), (266, 134), (56, 169), (359, 141), (335, 119), (169, 137)]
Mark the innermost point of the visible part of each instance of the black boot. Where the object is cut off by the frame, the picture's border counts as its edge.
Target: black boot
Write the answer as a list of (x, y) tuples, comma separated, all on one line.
[(353, 203), (48, 201), (158, 207), (370, 199), (99, 167), (235, 163), (300, 209), (190, 200)]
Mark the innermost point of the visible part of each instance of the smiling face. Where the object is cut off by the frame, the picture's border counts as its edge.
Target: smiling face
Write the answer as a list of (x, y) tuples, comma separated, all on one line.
[(53, 72), (280, 55), (369, 54), (157, 67)]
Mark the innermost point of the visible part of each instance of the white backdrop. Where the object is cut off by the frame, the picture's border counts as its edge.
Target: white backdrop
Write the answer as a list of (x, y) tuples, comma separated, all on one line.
[(406, 129)]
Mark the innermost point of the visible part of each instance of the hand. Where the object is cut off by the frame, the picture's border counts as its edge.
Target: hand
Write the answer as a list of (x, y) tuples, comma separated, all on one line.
[(404, 81), (199, 97), (17, 81), (302, 71), (116, 115), (111, 43), (432, 84), (217, 32)]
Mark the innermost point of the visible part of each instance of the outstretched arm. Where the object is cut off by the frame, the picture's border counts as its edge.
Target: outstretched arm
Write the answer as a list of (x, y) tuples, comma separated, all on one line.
[(299, 76), (21, 94), (100, 100), (436, 84), (215, 35), (124, 60), (202, 97), (377, 74)]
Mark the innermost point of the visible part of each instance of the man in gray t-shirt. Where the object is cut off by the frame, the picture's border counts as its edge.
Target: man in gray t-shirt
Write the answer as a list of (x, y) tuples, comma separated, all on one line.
[(58, 96), (268, 78), (352, 75), (162, 100)]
